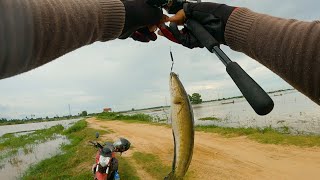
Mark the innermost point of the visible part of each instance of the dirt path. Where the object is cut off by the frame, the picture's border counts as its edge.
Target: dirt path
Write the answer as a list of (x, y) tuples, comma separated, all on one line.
[(216, 157)]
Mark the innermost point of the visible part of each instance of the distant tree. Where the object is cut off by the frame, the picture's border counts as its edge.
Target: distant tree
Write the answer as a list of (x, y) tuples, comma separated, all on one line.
[(196, 98), (132, 109), (84, 113), (190, 98)]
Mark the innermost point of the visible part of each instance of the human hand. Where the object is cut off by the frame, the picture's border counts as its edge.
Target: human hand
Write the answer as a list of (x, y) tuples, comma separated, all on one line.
[(212, 16), (139, 20), (183, 37)]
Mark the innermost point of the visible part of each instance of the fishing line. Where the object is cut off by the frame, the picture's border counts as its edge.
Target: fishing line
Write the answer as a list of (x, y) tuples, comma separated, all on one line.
[(171, 59)]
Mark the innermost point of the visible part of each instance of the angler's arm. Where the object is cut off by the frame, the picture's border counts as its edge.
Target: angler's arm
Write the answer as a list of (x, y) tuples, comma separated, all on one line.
[(290, 48), (34, 32)]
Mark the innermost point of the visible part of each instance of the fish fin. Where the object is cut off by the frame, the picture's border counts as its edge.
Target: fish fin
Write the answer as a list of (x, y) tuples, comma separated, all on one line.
[(177, 100), (170, 176), (174, 153)]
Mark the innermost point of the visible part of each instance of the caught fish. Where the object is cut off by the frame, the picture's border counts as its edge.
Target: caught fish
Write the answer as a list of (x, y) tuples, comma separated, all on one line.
[(182, 129)]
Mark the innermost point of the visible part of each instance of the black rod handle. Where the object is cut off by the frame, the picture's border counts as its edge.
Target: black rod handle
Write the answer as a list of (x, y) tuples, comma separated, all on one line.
[(259, 100)]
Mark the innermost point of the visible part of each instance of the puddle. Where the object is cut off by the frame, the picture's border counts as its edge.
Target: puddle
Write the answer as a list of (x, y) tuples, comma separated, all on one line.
[(14, 166)]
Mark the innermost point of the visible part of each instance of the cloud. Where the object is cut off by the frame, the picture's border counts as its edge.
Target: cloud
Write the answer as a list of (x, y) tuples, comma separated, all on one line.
[(125, 74)]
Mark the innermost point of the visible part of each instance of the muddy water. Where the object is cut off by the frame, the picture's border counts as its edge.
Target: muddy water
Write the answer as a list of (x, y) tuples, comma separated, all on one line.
[(34, 126), (14, 167), (292, 109)]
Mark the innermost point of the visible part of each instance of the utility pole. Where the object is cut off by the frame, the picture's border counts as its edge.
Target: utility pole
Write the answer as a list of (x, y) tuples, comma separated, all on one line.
[(69, 110)]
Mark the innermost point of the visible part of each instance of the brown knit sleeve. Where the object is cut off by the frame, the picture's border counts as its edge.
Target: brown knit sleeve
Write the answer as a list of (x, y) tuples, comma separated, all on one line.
[(34, 32), (290, 48)]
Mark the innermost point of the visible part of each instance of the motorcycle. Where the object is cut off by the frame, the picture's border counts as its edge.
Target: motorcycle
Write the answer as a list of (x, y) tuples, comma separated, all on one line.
[(106, 163)]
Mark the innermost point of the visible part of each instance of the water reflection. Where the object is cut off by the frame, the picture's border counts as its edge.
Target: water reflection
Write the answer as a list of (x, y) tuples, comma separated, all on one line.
[(14, 167)]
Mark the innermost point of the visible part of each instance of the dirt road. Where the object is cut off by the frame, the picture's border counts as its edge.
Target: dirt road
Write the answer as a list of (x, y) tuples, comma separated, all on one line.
[(217, 157)]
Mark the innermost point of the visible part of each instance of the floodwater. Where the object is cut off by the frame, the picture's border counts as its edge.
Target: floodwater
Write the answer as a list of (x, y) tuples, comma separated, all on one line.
[(292, 109), (14, 166), (34, 126)]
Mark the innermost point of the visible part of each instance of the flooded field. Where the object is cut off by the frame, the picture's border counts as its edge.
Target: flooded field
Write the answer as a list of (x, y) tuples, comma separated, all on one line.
[(292, 110), (13, 167), (15, 160), (34, 126)]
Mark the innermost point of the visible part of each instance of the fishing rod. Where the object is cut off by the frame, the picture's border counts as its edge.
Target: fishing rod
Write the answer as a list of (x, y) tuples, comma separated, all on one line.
[(258, 99)]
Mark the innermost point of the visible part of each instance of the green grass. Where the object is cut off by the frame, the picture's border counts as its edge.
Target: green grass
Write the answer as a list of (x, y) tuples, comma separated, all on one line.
[(136, 118), (126, 169), (78, 126), (8, 153), (14, 142), (64, 166), (210, 119), (151, 164), (4, 122), (265, 135), (141, 118), (77, 159)]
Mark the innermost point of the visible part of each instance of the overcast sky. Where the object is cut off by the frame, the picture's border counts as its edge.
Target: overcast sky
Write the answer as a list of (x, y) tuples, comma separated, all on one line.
[(124, 74)]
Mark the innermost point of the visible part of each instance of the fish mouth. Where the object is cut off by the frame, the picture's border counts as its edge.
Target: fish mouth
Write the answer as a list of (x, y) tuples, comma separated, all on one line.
[(173, 74)]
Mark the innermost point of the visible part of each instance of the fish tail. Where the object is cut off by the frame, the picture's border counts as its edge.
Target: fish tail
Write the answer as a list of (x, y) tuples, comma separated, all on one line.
[(170, 176)]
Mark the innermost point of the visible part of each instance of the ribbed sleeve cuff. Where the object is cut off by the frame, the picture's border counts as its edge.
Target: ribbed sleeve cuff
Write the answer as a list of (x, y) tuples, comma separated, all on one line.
[(113, 19), (237, 28)]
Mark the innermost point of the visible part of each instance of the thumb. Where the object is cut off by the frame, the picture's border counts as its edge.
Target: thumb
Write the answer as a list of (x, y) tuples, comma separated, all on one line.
[(179, 18)]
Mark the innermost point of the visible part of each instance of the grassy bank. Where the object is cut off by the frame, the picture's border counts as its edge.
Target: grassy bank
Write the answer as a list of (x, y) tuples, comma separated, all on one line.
[(4, 122), (77, 159), (11, 141), (212, 118), (135, 118), (126, 169), (265, 135), (262, 135), (151, 164), (141, 118)]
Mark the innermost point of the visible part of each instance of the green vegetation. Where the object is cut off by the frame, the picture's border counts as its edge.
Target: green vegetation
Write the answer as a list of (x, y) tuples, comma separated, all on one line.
[(68, 165), (210, 119), (32, 119), (265, 135), (78, 126), (151, 164), (14, 142), (142, 118), (10, 143), (150, 108), (195, 98), (4, 122), (77, 159), (135, 118), (84, 113), (126, 169)]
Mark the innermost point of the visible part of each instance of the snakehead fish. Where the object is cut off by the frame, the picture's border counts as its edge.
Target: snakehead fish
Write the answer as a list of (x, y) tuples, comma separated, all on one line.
[(182, 129)]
